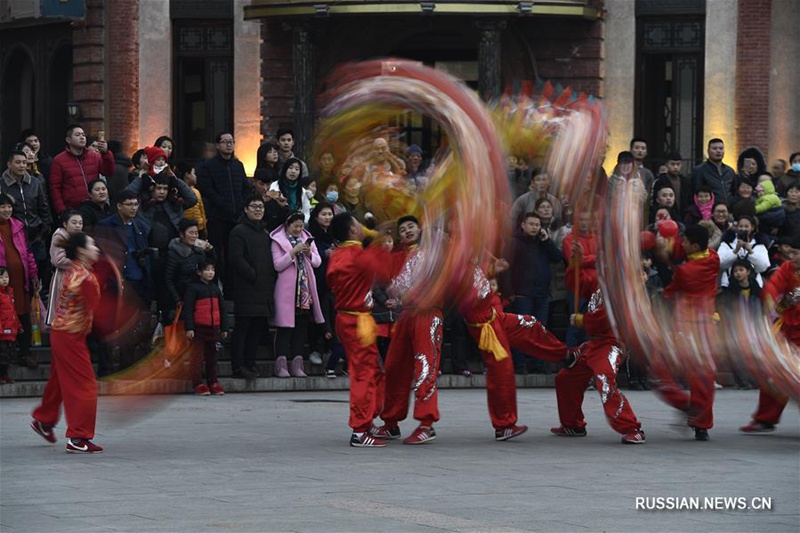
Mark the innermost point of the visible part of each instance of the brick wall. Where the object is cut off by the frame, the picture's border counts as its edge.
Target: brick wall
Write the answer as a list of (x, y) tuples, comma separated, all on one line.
[(753, 74), (122, 110), (89, 76)]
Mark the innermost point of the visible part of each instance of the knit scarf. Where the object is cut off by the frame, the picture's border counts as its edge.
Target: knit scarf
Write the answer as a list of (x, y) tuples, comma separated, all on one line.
[(291, 189), (705, 209), (302, 300)]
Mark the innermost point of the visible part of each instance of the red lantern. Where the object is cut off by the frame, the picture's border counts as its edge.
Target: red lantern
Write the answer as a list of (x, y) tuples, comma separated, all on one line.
[(668, 228)]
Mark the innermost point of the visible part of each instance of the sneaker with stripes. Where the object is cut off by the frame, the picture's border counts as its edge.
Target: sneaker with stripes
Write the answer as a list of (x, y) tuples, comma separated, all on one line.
[(366, 441), (634, 437), (510, 432), (421, 435), (563, 431), (385, 432)]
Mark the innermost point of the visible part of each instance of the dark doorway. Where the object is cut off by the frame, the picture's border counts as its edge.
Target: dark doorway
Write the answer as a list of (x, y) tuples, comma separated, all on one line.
[(18, 96), (669, 87), (59, 93), (203, 84)]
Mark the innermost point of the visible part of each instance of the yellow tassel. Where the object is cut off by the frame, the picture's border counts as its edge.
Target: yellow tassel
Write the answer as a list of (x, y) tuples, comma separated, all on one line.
[(489, 342), (366, 329)]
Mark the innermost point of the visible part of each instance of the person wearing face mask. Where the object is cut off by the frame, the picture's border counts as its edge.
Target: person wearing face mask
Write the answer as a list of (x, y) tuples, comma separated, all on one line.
[(330, 195), (792, 175)]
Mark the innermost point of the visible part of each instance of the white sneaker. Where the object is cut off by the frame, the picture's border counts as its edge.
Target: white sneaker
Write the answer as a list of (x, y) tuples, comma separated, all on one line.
[(315, 358), (330, 374), (717, 386)]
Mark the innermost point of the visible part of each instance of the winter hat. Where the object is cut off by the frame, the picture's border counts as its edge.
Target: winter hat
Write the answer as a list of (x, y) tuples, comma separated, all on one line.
[(414, 149), (153, 153)]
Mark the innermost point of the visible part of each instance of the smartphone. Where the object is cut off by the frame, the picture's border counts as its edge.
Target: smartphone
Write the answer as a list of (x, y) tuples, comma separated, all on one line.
[(310, 241), (101, 135)]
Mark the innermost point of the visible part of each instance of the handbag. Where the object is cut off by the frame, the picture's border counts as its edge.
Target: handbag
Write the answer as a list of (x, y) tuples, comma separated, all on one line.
[(176, 344)]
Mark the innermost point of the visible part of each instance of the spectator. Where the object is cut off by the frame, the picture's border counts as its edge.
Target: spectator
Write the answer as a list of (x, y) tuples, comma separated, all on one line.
[(745, 243), (579, 250), (30, 159), (296, 295), (791, 206), (41, 159), (416, 179), (751, 163), (665, 197), (166, 143), (140, 165), (267, 162), (122, 168), (323, 335), (96, 208), (124, 238), (224, 186), (721, 217), (290, 187), (75, 167), (183, 256), (71, 223), (30, 203), (185, 172), (681, 184), (286, 143), (253, 294), (206, 324), (768, 206), (275, 203), (519, 176), (327, 171), (743, 203), (352, 199), (715, 174), (702, 207), (10, 326), (18, 259), (550, 223), (638, 148), (330, 195), (791, 175), (527, 202)]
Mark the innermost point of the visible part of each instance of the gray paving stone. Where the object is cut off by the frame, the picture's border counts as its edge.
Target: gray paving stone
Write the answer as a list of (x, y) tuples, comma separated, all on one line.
[(280, 462)]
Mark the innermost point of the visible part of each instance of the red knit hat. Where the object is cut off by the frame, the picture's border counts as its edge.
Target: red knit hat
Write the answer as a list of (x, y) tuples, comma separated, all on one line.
[(153, 153)]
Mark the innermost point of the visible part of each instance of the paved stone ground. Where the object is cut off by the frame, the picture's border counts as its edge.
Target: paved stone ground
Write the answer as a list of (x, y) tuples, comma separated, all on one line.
[(280, 462)]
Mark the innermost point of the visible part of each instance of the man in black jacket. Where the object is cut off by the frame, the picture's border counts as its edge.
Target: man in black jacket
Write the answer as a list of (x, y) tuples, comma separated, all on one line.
[(224, 185), (715, 174)]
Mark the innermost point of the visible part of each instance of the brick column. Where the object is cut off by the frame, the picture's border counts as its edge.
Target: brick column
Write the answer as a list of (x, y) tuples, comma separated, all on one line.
[(753, 74), (122, 95), (88, 70)]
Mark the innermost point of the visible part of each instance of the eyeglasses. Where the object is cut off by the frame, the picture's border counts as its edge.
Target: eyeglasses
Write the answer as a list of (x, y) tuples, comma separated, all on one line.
[(227, 142), (130, 204), (256, 207)]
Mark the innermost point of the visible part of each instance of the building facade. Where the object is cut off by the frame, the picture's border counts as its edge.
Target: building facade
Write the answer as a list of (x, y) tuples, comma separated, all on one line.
[(677, 72)]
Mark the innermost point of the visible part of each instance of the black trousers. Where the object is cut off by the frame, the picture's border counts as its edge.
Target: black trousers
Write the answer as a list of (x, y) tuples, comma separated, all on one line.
[(246, 336), (290, 342)]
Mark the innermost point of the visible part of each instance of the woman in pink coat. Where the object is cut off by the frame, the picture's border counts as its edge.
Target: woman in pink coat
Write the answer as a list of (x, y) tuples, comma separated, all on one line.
[(296, 299)]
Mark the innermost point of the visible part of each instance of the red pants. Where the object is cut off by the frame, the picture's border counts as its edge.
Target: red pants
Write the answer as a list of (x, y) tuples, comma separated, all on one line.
[(414, 355), (770, 407), (526, 334), (72, 382), (698, 403), (366, 374), (600, 359)]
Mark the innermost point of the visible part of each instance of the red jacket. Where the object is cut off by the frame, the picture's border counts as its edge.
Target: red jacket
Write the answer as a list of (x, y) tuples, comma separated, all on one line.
[(784, 289), (588, 270), (596, 321), (351, 272), (694, 283), (70, 176), (9, 321)]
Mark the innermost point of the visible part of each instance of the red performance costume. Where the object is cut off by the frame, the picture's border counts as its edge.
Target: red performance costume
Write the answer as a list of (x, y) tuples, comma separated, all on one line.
[(496, 332), (783, 287), (413, 356), (72, 380), (600, 358), (693, 289), (351, 273)]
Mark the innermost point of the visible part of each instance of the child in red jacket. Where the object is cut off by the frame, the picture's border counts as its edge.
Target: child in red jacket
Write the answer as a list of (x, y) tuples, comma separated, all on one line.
[(205, 323), (9, 326)]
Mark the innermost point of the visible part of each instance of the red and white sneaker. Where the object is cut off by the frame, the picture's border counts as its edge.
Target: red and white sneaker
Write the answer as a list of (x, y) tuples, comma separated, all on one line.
[(563, 431), (509, 433), (755, 428), (385, 432), (82, 446), (366, 441), (216, 389), (45, 430), (421, 435), (202, 390), (634, 437)]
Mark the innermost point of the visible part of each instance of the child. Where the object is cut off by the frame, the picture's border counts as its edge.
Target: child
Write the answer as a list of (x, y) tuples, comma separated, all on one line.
[(768, 206), (204, 318), (9, 326), (198, 211), (702, 207)]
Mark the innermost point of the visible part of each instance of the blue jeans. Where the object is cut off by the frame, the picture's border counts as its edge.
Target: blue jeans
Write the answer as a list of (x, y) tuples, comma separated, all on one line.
[(539, 308)]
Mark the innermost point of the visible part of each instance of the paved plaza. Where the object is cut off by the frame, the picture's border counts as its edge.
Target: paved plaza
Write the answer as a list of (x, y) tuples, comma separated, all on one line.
[(280, 462)]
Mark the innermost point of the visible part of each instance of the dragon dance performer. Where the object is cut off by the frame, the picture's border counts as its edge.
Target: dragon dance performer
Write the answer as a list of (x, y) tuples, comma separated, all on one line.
[(351, 273), (496, 332), (783, 287), (600, 358), (415, 349), (72, 380), (693, 289)]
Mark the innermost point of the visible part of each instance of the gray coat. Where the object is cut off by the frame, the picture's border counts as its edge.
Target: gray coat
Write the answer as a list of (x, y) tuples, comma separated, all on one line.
[(30, 204), (174, 211)]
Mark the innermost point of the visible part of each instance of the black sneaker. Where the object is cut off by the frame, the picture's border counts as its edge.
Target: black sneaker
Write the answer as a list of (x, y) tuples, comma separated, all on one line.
[(573, 354), (700, 434), (563, 431), (366, 441), (244, 373)]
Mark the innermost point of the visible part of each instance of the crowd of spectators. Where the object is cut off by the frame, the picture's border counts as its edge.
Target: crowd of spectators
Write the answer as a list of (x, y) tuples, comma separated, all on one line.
[(186, 235)]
